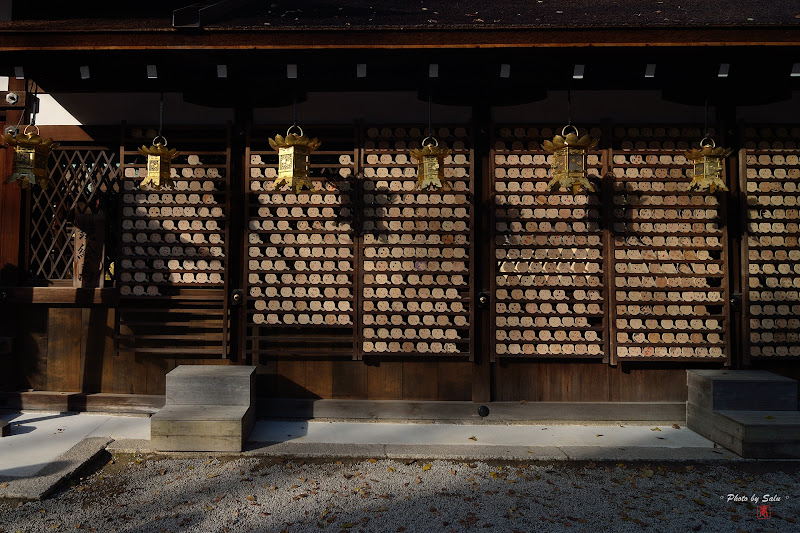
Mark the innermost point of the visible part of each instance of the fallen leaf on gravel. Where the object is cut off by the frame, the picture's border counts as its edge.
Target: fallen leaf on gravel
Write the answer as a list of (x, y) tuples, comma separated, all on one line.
[(676, 426), (373, 461), (251, 498), (390, 469), (769, 417), (649, 473), (401, 528), (209, 508), (418, 480), (655, 429), (473, 438), (599, 435), (3, 485), (348, 525), (427, 466), (210, 476), (453, 472), (698, 501)]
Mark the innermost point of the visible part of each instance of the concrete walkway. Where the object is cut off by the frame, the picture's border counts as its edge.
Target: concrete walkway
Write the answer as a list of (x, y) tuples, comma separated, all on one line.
[(44, 449)]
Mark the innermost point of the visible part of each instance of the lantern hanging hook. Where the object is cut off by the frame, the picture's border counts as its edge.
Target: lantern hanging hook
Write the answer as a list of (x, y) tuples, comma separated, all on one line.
[(707, 141), (288, 132), (25, 132), (433, 142), (568, 126), (157, 137)]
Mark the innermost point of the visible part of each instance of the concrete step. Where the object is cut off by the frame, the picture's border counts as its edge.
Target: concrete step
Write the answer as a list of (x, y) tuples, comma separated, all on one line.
[(5, 428), (751, 434), (211, 385), (201, 428), (753, 390)]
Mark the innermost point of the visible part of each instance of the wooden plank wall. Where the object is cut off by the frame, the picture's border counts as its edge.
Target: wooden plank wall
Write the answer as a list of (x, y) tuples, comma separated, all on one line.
[(580, 381), (70, 349)]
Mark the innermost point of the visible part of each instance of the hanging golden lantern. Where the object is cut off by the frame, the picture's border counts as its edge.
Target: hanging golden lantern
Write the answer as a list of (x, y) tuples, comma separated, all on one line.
[(430, 169), (30, 158), (159, 161), (569, 160), (707, 166), (293, 159)]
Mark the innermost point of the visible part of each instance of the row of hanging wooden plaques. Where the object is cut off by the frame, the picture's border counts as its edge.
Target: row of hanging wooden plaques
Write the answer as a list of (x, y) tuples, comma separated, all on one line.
[(172, 264), (369, 259)]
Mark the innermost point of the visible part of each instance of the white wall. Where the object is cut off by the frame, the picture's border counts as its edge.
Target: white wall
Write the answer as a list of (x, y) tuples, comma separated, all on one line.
[(394, 107)]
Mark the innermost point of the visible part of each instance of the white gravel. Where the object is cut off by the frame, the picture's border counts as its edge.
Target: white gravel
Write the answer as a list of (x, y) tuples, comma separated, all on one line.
[(159, 494)]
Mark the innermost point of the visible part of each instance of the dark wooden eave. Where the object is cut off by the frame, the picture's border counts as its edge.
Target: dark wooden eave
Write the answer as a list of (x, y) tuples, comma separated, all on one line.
[(286, 39)]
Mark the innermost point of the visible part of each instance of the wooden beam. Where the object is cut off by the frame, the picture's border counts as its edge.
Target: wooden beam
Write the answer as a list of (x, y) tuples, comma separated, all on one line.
[(400, 38), (82, 402), (58, 295), (374, 410)]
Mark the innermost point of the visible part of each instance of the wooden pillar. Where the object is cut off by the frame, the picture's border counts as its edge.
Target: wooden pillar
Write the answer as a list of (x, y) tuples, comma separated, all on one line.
[(482, 367), (10, 205)]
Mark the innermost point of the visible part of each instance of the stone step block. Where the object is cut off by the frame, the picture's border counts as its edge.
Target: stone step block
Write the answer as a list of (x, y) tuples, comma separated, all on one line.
[(751, 434), (201, 428), (752, 390), (211, 385)]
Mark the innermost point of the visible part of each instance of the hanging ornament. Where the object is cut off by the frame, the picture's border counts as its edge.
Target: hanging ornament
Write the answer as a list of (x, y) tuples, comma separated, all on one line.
[(293, 161), (707, 166), (430, 169), (159, 161), (569, 160), (30, 158)]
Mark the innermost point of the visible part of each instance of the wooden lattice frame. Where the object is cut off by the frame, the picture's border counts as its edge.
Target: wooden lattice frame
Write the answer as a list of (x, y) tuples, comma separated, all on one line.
[(84, 180)]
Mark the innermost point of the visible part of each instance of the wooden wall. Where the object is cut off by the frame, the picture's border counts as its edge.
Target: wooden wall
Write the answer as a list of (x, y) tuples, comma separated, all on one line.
[(70, 349)]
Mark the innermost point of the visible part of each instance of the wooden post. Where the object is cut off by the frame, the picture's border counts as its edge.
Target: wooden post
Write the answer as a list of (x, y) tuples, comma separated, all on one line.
[(482, 186)]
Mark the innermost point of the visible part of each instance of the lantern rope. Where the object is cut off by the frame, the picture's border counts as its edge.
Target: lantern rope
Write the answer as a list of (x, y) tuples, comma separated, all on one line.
[(34, 105), (430, 114), (569, 106), (294, 110), (161, 116)]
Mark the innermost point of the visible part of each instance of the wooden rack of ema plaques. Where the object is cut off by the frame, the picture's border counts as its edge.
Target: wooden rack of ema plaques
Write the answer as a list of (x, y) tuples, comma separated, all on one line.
[(548, 284), (416, 247), (668, 264), (301, 271), (770, 181), (173, 254)]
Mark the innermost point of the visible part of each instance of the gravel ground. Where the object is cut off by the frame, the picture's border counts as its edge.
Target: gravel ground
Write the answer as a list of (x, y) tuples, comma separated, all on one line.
[(135, 493)]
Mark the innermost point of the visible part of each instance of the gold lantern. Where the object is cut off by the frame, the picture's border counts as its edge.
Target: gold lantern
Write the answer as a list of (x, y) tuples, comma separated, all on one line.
[(569, 160), (430, 169), (707, 166), (159, 161), (30, 158), (293, 159)]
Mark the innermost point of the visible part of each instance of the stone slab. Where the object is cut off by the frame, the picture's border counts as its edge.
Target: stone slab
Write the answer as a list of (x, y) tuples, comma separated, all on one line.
[(5, 428), (754, 390), (55, 473), (211, 385), (747, 433), (201, 428)]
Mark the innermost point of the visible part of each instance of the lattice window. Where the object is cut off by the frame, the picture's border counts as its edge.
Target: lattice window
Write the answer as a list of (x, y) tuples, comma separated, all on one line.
[(84, 182)]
